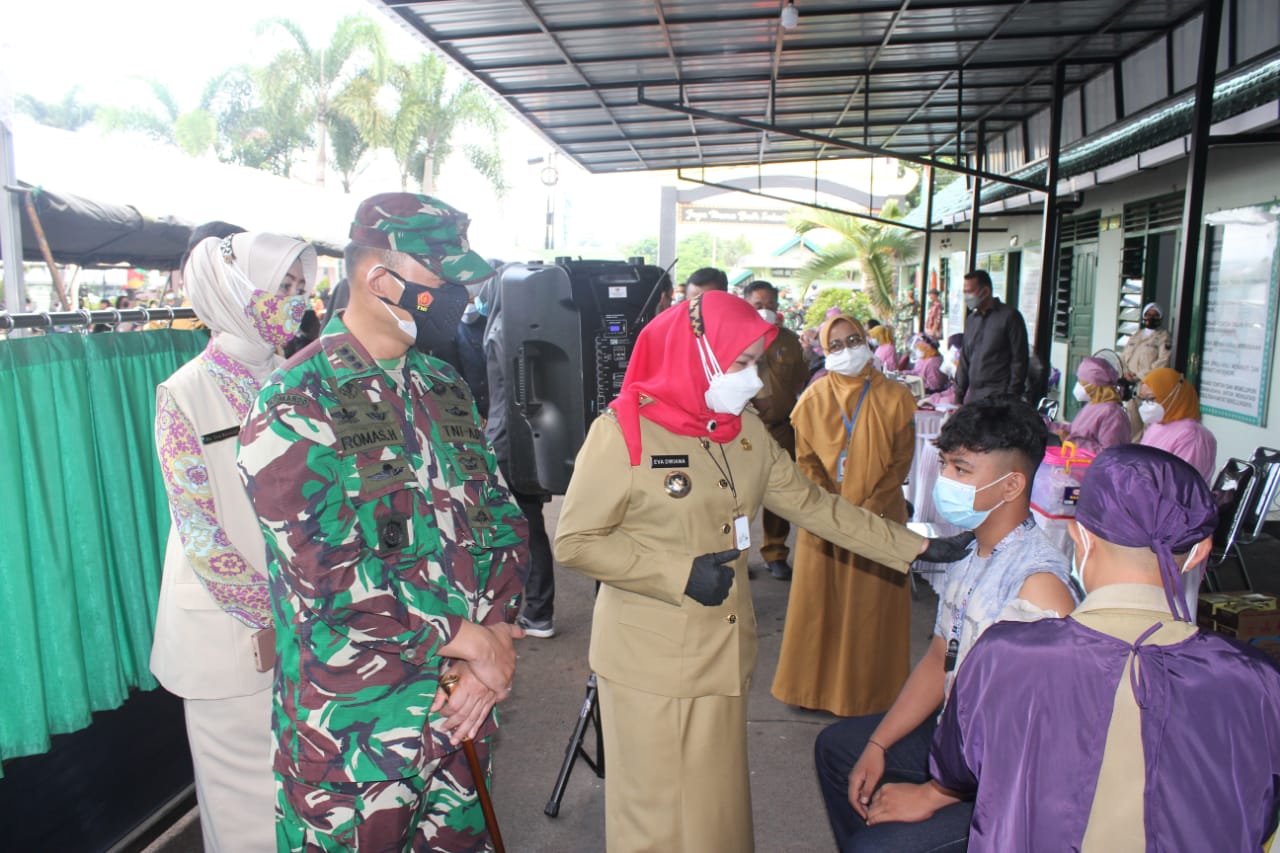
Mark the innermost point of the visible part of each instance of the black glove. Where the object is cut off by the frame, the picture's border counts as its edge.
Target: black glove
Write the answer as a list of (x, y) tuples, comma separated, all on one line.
[(710, 579), (947, 549)]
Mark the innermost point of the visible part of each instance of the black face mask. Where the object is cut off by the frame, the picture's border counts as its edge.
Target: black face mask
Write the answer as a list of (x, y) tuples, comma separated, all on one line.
[(436, 312), (1151, 322)]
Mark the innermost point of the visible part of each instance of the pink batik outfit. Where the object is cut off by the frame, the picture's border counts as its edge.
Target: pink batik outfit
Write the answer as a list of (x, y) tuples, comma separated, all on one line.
[(214, 596), (1098, 426), (1189, 440)]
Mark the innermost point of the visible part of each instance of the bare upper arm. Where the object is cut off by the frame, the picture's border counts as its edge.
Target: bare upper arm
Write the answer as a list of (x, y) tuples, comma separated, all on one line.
[(1047, 592)]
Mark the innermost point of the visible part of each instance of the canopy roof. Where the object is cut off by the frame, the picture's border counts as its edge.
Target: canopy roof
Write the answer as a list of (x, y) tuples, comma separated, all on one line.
[(93, 234), (599, 79)]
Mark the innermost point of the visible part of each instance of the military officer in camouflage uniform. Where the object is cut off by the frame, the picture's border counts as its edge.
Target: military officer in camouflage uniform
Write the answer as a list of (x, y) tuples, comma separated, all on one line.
[(396, 553)]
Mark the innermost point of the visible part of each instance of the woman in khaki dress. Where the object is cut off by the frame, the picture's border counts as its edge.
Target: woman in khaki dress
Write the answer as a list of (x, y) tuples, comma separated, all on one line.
[(1148, 349), (846, 646), (658, 512)]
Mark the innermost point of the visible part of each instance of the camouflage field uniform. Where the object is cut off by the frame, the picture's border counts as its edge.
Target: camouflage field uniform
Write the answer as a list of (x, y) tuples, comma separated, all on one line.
[(386, 526)]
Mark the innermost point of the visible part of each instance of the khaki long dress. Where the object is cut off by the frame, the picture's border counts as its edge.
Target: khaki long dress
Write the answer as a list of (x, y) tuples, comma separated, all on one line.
[(846, 643)]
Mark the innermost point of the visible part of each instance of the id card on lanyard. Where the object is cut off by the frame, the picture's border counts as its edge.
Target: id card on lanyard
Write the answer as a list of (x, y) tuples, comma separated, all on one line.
[(848, 430)]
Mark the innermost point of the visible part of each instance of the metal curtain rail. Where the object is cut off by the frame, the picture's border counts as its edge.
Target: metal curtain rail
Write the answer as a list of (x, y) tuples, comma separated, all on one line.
[(110, 317)]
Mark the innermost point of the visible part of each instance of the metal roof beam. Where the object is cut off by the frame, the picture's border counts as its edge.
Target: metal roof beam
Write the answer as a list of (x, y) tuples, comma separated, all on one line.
[(675, 63), (922, 40), (904, 69), (839, 143), (1111, 21), (965, 63), (528, 5), (745, 15), (864, 81)]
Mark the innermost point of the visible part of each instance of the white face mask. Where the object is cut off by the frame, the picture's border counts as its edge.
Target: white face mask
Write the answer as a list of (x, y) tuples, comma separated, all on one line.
[(1080, 393), (949, 368), (727, 393), (767, 315), (849, 361), (1151, 412)]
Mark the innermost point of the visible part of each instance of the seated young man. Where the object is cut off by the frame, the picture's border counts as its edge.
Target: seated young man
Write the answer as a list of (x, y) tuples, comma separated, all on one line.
[(990, 451), (1122, 728)]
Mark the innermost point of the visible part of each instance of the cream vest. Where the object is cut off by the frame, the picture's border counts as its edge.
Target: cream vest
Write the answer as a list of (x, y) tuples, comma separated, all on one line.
[(199, 651)]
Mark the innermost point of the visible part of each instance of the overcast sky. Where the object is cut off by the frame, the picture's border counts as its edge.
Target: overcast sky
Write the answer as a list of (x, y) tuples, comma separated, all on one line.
[(46, 48)]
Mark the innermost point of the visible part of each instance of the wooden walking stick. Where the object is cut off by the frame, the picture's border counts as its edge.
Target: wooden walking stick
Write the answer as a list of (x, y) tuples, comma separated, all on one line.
[(477, 773)]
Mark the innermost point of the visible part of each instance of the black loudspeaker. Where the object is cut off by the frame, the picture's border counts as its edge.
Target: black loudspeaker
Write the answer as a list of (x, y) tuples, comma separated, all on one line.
[(568, 331)]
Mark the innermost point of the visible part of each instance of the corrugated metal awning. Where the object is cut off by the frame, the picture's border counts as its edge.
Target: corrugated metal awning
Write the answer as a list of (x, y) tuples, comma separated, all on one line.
[(599, 79)]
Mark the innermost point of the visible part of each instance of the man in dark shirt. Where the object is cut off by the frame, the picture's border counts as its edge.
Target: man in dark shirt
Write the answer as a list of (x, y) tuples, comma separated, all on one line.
[(784, 369), (994, 358)]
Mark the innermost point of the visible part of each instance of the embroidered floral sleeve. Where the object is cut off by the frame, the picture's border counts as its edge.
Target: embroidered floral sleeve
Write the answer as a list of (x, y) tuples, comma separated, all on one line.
[(236, 587)]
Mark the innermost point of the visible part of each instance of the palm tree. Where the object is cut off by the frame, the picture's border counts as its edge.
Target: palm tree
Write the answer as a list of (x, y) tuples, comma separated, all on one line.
[(428, 113), (251, 131), (876, 249), (67, 114), (194, 131), (321, 75)]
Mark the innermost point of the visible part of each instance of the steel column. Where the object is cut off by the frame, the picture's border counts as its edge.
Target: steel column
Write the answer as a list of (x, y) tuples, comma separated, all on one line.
[(975, 208), (15, 293), (1193, 202), (1049, 229), (928, 244)]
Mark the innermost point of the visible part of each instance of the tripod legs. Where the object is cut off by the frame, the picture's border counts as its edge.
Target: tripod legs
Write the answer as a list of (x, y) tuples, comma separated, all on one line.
[(589, 713)]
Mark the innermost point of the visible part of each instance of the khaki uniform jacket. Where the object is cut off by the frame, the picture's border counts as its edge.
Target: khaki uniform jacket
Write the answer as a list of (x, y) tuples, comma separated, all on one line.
[(627, 528)]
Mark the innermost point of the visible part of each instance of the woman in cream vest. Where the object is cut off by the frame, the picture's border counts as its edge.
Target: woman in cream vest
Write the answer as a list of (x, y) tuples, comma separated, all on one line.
[(214, 607)]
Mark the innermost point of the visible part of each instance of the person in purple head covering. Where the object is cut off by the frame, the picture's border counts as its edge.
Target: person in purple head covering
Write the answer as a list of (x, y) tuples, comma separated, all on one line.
[(1102, 423), (1122, 727)]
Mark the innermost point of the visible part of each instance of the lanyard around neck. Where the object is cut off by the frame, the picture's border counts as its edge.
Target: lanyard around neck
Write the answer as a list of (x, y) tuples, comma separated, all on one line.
[(850, 424)]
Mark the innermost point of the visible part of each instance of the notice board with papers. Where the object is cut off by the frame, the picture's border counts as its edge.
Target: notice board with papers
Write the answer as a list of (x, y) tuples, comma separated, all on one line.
[(1243, 292)]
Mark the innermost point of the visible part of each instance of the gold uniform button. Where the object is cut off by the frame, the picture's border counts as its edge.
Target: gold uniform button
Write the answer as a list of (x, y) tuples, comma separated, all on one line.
[(732, 618), (724, 484), (725, 528)]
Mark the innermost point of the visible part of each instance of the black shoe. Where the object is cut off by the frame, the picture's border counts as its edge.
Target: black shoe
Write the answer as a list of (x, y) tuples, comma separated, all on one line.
[(780, 570)]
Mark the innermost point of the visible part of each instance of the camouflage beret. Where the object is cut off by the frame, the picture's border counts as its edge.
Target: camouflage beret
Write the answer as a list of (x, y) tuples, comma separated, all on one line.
[(426, 228)]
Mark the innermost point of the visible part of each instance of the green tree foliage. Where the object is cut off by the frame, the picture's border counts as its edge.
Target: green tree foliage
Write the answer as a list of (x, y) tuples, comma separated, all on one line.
[(316, 78), (162, 119), (854, 303), (70, 113), (423, 127), (876, 250), (646, 248), (251, 132), (704, 249), (349, 149), (941, 178)]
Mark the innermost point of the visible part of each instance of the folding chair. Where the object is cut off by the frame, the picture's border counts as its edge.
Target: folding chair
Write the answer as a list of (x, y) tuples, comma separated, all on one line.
[(1266, 463), (1235, 490)]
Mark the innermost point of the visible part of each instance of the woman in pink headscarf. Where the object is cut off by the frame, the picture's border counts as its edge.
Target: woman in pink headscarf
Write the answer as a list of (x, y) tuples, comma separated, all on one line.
[(1102, 423)]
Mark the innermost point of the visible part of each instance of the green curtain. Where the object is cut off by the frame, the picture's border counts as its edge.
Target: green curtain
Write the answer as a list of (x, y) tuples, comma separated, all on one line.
[(83, 524)]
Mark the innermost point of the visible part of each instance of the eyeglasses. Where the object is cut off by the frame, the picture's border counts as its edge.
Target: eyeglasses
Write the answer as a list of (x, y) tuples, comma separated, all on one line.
[(1142, 398), (838, 344)]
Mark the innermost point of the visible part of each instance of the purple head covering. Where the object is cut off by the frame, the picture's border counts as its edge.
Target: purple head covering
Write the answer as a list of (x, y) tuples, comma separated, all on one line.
[(1095, 371), (956, 341), (1143, 497)]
